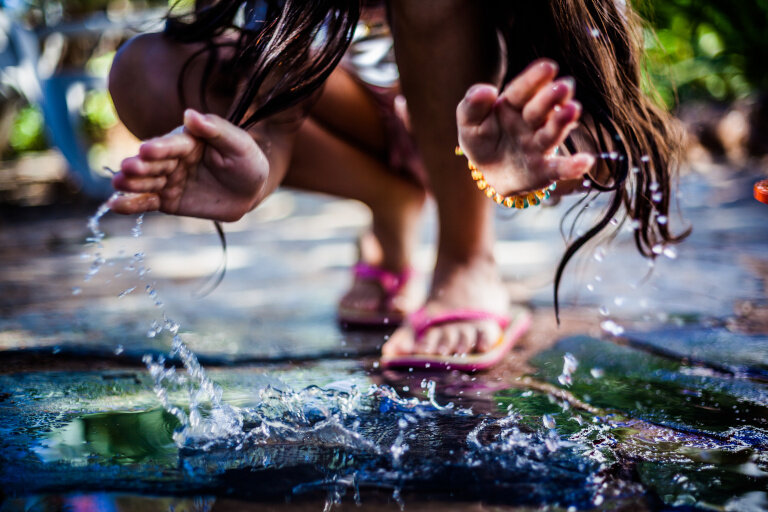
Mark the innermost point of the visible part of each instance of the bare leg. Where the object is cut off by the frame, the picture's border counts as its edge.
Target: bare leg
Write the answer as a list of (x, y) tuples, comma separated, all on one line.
[(213, 170), (443, 47), (346, 129)]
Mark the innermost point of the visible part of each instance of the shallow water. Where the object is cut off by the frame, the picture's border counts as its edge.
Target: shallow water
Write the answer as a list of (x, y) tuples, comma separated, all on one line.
[(633, 433), (673, 414)]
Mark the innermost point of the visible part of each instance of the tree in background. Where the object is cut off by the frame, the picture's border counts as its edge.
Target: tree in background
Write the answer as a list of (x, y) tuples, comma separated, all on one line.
[(712, 50)]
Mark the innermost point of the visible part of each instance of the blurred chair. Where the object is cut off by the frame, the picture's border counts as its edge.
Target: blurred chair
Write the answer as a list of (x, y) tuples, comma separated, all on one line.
[(32, 75)]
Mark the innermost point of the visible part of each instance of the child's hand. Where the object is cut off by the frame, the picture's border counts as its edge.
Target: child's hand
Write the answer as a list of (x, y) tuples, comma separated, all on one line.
[(213, 170), (512, 137)]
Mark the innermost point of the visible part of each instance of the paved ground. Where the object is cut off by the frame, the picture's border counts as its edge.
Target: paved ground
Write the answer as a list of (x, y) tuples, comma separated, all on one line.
[(698, 320)]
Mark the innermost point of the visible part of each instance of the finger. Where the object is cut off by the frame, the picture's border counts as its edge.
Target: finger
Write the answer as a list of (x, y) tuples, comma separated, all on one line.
[(557, 128), (135, 166), (173, 145), (134, 203), (138, 185), (538, 110), (217, 132), (523, 87), (477, 105), (570, 167)]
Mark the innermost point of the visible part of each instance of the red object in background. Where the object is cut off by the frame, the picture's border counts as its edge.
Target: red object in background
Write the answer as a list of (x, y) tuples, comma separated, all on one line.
[(761, 191)]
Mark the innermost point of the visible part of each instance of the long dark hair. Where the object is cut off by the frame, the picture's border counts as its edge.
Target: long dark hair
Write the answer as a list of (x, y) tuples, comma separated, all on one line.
[(278, 61), (599, 43), (273, 64)]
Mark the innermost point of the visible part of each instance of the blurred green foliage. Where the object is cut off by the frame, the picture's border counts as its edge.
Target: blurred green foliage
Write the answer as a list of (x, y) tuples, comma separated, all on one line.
[(96, 117), (27, 132), (708, 49), (696, 49)]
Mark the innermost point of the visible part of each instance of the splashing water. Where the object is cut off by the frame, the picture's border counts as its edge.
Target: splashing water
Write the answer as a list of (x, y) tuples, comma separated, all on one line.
[(333, 416), (570, 364)]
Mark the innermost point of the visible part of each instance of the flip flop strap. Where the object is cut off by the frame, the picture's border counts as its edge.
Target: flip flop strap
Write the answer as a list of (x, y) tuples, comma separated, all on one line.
[(421, 322), (390, 282)]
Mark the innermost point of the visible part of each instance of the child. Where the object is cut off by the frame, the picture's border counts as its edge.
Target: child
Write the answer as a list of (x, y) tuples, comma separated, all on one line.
[(218, 170)]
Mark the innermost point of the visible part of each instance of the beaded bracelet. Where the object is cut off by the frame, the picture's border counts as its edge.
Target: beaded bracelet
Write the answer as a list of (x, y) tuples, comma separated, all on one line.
[(518, 201)]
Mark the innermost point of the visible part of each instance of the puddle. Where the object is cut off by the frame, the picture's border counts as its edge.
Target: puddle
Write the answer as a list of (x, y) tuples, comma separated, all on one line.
[(670, 416), (623, 432)]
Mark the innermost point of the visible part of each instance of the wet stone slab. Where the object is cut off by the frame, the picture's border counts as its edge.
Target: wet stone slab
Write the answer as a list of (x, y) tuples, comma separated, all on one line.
[(671, 412), (631, 426)]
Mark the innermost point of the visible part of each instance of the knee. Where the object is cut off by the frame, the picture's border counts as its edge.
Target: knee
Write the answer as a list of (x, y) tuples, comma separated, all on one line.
[(142, 87)]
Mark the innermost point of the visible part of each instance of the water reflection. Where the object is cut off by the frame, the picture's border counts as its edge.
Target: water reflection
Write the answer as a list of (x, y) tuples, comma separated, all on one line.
[(119, 437)]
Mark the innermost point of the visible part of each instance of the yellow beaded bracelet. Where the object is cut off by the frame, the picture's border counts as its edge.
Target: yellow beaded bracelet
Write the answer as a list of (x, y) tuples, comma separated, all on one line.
[(518, 201)]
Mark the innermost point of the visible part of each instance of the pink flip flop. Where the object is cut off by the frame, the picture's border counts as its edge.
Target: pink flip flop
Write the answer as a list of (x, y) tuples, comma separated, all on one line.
[(513, 326), (391, 284)]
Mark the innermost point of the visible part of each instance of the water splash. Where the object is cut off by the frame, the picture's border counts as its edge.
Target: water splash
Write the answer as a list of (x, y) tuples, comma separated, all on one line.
[(331, 416), (570, 364)]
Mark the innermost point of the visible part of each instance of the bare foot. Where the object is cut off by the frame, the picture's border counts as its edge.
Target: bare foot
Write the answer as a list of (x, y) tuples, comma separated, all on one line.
[(473, 285), (213, 170), (512, 137), (378, 295), (383, 292)]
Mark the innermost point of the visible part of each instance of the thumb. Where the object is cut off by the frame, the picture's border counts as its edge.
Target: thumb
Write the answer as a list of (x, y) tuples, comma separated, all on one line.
[(216, 131), (477, 105)]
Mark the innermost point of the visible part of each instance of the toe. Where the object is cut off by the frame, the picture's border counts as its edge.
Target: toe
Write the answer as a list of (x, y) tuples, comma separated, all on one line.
[(400, 343), (449, 340), (488, 334), (466, 339), (430, 343)]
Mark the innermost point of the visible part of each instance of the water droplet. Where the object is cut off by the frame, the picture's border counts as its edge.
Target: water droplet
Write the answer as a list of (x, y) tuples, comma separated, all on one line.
[(618, 301), (654, 186), (375, 364), (570, 363), (604, 311), (549, 421), (597, 373), (612, 327), (590, 287), (599, 254), (586, 183), (594, 32), (670, 252), (656, 197), (119, 350), (136, 230), (661, 219), (645, 158), (657, 249), (76, 290), (125, 292)]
